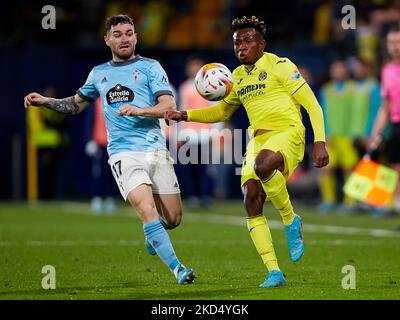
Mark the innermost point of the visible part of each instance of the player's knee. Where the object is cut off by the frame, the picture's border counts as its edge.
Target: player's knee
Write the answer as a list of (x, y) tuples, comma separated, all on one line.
[(266, 162), (145, 207), (263, 168), (174, 220)]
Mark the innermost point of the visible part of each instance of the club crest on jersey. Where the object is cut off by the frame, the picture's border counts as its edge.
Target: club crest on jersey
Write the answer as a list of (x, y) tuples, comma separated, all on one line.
[(295, 76), (262, 76), (136, 74), (119, 94)]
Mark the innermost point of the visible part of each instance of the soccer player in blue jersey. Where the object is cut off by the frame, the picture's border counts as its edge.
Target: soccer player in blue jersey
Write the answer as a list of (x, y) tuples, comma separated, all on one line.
[(135, 92)]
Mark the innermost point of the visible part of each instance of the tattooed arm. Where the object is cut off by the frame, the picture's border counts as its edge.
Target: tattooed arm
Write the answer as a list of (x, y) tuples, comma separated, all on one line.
[(71, 105)]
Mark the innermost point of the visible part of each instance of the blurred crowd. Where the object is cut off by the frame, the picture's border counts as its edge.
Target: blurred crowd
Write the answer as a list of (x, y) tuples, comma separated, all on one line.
[(202, 23), (348, 89)]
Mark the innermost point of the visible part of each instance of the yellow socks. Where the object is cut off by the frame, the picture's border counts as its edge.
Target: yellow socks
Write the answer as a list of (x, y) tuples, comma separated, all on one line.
[(275, 189), (261, 236)]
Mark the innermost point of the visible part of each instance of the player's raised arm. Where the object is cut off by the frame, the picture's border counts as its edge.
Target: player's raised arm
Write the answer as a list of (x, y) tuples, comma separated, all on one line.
[(222, 111), (70, 105), (299, 89), (305, 96)]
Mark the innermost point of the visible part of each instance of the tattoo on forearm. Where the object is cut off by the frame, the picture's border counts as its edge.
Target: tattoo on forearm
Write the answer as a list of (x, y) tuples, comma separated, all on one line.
[(66, 105)]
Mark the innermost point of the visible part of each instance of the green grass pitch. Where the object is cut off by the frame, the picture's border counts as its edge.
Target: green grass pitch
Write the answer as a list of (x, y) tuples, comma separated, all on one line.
[(103, 257)]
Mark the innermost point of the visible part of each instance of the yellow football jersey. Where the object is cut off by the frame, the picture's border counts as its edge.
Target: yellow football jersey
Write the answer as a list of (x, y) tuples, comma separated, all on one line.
[(265, 90)]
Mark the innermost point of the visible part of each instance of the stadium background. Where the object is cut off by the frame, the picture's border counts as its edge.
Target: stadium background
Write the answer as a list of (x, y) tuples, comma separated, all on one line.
[(102, 256), (33, 59)]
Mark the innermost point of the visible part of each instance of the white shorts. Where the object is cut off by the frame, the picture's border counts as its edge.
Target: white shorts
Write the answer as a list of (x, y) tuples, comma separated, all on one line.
[(155, 168)]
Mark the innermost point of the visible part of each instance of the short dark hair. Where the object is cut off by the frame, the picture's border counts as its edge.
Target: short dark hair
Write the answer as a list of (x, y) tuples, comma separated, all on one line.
[(119, 18), (253, 22), (394, 28)]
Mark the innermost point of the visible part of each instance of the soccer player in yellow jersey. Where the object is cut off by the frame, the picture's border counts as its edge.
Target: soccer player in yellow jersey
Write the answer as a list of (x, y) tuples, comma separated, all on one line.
[(271, 90)]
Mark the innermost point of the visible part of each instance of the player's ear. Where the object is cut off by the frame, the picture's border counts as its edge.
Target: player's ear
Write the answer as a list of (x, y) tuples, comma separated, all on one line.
[(263, 44), (107, 39)]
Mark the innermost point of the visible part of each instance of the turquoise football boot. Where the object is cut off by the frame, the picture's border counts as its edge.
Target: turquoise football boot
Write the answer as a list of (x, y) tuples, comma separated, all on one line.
[(294, 235), (274, 279), (184, 275)]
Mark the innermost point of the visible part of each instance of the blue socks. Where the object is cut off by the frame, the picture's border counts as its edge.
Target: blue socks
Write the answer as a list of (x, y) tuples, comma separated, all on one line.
[(159, 239)]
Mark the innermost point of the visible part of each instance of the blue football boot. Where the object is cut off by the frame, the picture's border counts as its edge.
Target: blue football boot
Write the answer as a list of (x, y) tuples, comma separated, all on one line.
[(184, 275), (294, 235), (274, 279)]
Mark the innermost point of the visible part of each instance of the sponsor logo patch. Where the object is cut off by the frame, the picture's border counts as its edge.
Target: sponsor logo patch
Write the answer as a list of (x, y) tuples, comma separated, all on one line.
[(119, 94), (295, 75)]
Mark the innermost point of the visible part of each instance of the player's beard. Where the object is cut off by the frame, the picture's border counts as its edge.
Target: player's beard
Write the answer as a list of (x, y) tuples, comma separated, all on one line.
[(124, 54)]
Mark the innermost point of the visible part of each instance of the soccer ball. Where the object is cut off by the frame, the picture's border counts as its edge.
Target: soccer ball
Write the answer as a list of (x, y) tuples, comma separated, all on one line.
[(213, 81)]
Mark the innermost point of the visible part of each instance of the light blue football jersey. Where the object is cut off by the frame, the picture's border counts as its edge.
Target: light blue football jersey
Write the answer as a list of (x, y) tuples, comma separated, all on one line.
[(138, 82)]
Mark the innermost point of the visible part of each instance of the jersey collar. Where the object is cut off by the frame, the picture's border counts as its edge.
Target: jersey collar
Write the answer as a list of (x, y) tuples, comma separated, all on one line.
[(124, 63), (256, 65)]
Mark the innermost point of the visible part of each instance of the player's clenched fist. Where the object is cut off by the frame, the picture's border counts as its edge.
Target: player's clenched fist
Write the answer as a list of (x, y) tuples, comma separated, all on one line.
[(320, 155), (129, 110), (175, 116), (34, 99)]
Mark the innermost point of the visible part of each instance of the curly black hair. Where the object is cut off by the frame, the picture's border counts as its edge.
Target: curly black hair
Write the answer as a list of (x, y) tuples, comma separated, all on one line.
[(253, 22)]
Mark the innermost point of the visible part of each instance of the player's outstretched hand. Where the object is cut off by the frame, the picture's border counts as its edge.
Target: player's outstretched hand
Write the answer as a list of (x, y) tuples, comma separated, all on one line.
[(129, 110), (320, 155), (34, 99), (175, 116)]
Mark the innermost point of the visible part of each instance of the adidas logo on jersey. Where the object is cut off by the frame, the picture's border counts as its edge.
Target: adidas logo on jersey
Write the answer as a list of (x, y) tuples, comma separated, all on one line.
[(104, 80)]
